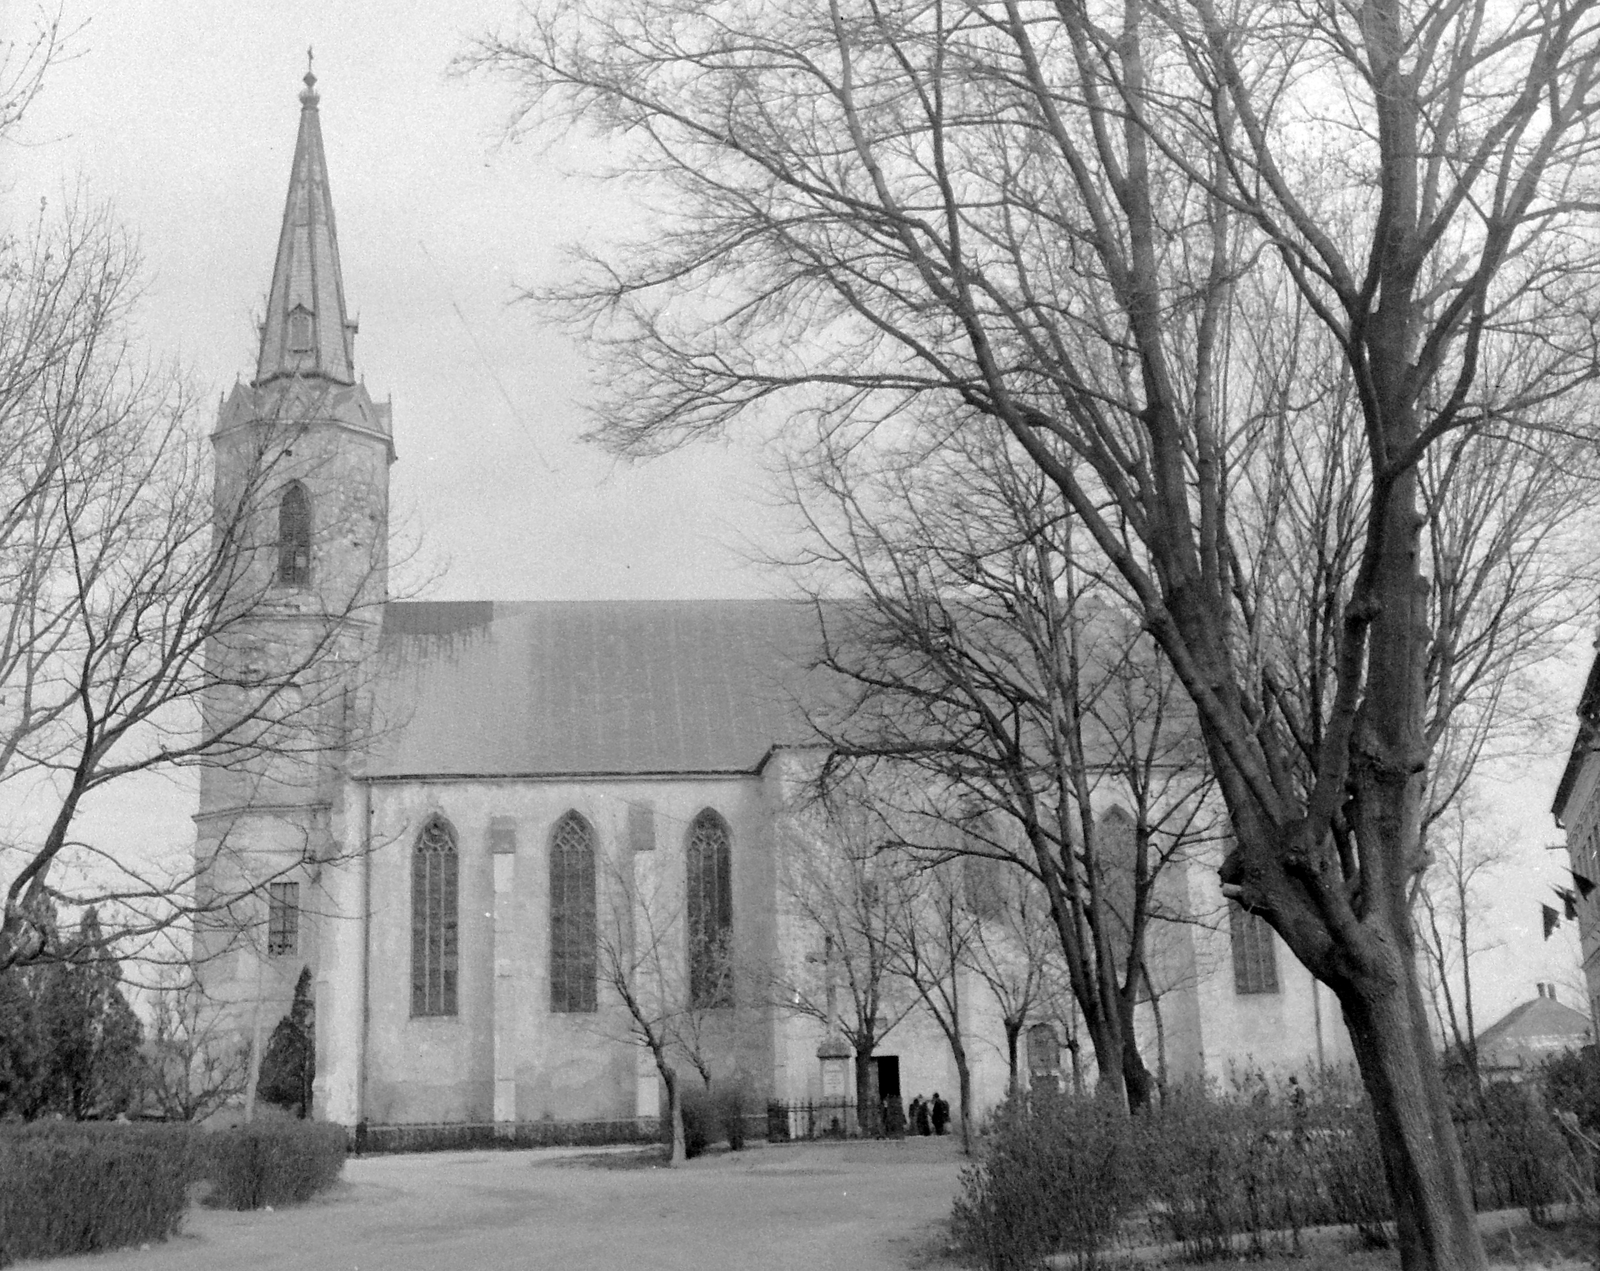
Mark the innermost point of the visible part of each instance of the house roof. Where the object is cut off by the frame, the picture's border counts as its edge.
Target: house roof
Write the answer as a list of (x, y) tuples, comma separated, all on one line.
[(1533, 1030), (1588, 724), (486, 688)]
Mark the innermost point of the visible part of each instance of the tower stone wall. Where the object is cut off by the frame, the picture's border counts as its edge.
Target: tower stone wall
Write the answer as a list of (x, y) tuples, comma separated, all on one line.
[(290, 686)]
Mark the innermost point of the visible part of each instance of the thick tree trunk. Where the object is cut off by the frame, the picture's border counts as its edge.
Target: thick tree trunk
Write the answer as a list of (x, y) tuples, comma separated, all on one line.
[(1421, 1155), (669, 1079), (1013, 1032), (964, 1086), (869, 1116), (1136, 1079)]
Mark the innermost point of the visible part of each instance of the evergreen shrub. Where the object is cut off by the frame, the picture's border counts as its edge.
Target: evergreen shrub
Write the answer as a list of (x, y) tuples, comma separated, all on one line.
[(273, 1163), (73, 1187)]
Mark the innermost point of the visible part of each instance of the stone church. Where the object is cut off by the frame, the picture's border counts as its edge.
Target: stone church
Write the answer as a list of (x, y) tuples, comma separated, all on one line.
[(447, 880)]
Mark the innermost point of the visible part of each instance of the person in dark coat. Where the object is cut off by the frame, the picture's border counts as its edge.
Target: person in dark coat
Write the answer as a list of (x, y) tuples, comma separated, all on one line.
[(941, 1113), (919, 1115)]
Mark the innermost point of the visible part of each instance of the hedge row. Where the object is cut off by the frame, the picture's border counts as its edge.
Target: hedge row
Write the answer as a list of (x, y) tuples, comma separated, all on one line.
[(274, 1163), (77, 1187), (1223, 1176), (70, 1189), (459, 1135)]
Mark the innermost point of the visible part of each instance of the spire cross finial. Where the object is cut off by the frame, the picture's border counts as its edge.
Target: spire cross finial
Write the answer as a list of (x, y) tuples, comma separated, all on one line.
[(309, 97)]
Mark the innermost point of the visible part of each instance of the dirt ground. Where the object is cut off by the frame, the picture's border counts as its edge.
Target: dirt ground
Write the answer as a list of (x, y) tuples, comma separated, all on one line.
[(816, 1207)]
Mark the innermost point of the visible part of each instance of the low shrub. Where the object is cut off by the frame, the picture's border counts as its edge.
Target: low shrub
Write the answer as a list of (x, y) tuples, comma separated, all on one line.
[(1220, 1176), (732, 1100), (272, 1163), (1223, 1172), (699, 1118), (1058, 1173), (1571, 1083), (71, 1187), (713, 1115), (1517, 1154)]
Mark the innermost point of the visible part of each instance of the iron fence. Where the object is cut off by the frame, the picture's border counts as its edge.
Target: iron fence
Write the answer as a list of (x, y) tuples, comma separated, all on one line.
[(446, 1136), (810, 1119)]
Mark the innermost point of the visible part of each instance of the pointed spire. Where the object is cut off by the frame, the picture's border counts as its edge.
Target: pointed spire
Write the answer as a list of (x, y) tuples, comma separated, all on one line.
[(306, 331)]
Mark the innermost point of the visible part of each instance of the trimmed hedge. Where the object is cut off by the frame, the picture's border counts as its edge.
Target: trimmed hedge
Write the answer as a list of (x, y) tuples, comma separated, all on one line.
[(70, 1187), (80, 1187), (454, 1136), (273, 1163)]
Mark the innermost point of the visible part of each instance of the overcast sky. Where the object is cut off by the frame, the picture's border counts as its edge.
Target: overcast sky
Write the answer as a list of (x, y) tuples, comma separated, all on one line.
[(183, 114)]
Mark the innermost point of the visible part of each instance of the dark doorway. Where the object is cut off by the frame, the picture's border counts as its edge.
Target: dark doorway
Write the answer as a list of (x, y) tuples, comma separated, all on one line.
[(892, 1107), (888, 1076)]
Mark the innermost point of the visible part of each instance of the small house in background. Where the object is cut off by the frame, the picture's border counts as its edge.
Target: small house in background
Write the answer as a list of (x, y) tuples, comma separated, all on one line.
[(1520, 1041)]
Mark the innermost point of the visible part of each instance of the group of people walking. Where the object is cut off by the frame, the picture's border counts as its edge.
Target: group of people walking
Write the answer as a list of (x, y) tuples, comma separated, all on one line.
[(929, 1116)]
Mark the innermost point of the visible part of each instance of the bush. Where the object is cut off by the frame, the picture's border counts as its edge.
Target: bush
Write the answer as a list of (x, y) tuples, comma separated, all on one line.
[(1572, 1084), (713, 1115), (273, 1163), (1517, 1154), (1059, 1173), (1220, 1176), (731, 1101), (73, 1187), (699, 1118)]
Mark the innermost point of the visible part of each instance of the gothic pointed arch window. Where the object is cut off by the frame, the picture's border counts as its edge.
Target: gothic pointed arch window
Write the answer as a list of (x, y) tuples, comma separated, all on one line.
[(294, 536), (435, 922), (710, 911), (572, 916)]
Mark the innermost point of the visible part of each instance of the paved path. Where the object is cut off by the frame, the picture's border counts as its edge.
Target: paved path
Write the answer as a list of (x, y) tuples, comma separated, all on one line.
[(809, 1207)]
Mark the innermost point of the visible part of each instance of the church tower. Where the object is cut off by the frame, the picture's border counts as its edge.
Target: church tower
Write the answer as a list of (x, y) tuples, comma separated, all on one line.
[(302, 457)]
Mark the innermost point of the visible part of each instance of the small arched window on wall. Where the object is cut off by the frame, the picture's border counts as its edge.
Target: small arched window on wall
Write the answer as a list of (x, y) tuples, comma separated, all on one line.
[(572, 930), (710, 906), (294, 537), (435, 924)]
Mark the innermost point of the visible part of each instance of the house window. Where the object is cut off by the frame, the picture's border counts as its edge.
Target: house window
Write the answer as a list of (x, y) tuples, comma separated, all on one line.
[(710, 904), (283, 919), (294, 537), (300, 329), (1255, 954), (572, 933), (434, 922)]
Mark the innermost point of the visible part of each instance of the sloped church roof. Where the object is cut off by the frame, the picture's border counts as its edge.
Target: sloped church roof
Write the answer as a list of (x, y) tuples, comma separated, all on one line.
[(565, 688)]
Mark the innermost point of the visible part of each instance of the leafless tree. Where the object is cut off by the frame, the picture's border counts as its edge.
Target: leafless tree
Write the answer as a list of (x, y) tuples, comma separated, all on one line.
[(990, 671), (195, 1061), (1047, 219), (141, 628), (845, 889), (1465, 850), (24, 60), (643, 958), (1014, 951), (930, 944)]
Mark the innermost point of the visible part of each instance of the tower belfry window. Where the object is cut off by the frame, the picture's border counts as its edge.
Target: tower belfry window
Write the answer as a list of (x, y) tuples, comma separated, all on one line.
[(300, 329), (294, 537)]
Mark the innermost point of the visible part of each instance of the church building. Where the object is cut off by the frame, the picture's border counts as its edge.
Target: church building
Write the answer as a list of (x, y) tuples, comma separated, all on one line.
[(540, 792)]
